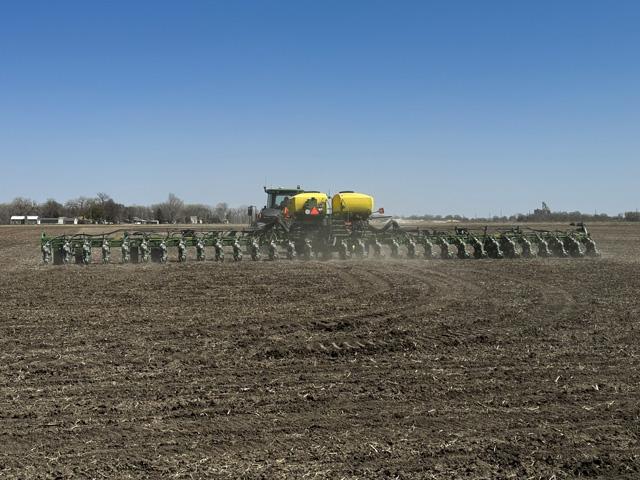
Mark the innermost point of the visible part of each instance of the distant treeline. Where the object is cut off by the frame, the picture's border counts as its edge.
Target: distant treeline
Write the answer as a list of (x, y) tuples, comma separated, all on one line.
[(103, 209), (537, 217)]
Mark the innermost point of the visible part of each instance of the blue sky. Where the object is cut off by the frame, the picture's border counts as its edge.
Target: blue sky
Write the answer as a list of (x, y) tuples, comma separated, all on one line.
[(461, 107)]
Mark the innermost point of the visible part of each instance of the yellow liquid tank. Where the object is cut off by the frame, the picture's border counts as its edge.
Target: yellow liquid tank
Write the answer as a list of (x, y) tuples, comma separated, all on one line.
[(352, 204), (296, 203)]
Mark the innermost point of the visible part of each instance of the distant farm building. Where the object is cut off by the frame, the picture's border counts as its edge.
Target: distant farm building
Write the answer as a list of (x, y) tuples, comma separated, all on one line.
[(59, 221), (142, 221), (36, 220), (24, 220)]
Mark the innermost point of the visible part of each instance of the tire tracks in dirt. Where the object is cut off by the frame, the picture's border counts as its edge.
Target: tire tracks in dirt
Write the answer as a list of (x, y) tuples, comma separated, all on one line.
[(554, 299), (429, 283), (375, 277)]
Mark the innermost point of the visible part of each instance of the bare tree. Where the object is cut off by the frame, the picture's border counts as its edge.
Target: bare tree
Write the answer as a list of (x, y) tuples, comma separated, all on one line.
[(137, 212), (113, 212), (5, 212), (220, 212), (23, 206), (51, 209), (170, 211), (203, 212), (102, 197), (77, 207)]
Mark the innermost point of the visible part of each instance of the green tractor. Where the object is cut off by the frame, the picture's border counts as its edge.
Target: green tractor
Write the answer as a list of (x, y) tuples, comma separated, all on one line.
[(314, 223)]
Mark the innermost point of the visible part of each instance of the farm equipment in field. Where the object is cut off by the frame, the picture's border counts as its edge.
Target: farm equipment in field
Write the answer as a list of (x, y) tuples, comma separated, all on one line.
[(310, 225)]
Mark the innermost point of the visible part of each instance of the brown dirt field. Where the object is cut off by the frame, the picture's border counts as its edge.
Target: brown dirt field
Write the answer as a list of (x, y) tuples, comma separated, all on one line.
[(342, 369)]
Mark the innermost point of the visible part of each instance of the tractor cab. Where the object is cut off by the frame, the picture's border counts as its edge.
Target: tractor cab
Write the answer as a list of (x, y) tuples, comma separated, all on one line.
[(277, 201), (277, 198)]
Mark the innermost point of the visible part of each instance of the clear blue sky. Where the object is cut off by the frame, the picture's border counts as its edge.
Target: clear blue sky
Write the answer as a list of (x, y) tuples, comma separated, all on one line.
[(433, 107)]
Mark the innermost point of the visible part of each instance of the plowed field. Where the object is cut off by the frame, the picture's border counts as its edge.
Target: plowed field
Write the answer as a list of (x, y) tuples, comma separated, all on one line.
[(336, 369)]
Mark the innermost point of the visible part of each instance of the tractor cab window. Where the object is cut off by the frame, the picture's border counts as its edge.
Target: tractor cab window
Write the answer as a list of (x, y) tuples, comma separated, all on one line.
[(282, 200), (279, 200)]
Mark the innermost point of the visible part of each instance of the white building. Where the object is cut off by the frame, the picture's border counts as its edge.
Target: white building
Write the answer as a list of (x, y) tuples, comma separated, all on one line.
[(58, 221), (24, 220)]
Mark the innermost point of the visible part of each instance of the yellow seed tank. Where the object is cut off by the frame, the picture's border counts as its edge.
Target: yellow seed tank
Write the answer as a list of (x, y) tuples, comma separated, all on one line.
[(296, 203), (352, 204)]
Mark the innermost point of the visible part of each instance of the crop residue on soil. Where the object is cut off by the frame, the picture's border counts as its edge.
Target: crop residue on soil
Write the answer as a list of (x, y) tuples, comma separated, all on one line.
[(354, 369)]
